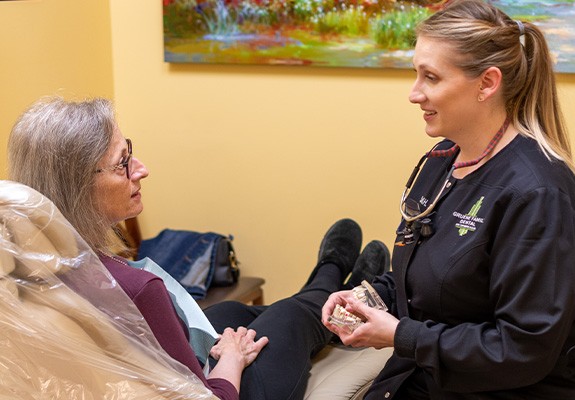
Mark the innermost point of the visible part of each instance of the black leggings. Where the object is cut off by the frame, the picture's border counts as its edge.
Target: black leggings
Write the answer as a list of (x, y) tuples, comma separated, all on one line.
[(295, 332)]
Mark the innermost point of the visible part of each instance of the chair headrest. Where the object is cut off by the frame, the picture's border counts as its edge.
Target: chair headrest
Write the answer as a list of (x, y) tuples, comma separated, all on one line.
[(31, 222)]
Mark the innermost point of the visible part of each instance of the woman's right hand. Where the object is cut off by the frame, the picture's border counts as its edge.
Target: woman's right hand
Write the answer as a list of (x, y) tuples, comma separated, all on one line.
[(235, 350), (378, 328)]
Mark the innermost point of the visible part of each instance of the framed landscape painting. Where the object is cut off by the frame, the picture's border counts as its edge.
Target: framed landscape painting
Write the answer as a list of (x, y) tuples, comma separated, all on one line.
[(331, 33)]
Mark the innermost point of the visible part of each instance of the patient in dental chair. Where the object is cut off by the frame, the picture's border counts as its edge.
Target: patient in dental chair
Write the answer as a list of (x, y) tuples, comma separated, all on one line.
[(67, 330)]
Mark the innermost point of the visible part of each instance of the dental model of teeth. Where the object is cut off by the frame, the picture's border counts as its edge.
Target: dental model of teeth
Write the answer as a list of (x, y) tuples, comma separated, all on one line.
[(347, 320)]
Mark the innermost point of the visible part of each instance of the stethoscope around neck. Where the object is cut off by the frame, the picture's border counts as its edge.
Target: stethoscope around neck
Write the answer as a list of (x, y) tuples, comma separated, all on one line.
[(409, 217), (413, 216)]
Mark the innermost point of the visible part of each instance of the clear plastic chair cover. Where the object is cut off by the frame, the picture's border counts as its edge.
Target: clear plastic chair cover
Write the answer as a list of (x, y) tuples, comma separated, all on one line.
[(67, 330)]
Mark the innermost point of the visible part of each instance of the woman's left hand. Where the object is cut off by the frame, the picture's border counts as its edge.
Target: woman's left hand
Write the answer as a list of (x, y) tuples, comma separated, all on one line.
[(240, 344), (235, 350), (378, 329)]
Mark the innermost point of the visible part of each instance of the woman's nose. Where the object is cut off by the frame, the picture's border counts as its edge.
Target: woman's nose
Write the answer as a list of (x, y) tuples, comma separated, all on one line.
[(415, 95), (140, 170)]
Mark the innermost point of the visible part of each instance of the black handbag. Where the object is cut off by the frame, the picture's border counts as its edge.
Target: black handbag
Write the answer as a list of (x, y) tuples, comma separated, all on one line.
[(226, 264), (196, 260)]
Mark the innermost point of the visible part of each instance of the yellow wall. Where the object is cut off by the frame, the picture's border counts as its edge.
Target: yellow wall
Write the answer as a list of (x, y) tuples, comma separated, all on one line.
[(51, 47), (273, 155)]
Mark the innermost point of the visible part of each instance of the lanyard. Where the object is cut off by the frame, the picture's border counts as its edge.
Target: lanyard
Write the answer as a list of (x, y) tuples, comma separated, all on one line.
[(413, 215), (411, 235)]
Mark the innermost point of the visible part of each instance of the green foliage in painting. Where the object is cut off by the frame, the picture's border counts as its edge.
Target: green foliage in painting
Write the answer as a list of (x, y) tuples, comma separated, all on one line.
[(358, 33), (396, 29), (380, 20)]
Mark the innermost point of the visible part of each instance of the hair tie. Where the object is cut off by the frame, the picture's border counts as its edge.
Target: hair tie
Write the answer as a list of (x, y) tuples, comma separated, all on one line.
[(521, 27)]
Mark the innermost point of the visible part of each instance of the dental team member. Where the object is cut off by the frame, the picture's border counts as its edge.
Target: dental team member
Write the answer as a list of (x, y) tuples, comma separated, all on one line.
[(482, 293)]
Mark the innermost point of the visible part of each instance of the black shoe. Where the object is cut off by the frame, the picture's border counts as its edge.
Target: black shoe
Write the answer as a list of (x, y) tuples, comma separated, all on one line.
[(340, 246), (374, 260)]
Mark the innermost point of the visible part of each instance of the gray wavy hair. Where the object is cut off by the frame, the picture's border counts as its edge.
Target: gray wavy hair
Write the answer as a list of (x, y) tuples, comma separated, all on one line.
[(55, 147)]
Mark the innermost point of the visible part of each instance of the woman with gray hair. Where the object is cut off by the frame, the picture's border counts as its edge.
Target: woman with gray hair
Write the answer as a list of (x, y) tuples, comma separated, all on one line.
[(75, 154)]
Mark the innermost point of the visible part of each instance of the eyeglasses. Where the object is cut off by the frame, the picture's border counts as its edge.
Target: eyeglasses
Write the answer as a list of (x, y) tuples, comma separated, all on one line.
[(125, 163)]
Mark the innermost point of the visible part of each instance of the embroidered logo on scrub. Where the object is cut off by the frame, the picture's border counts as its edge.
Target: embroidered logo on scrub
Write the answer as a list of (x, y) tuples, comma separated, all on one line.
[(468, 222)]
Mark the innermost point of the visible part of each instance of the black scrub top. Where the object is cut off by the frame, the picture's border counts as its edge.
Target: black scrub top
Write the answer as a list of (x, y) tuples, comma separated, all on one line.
[(487, 302)]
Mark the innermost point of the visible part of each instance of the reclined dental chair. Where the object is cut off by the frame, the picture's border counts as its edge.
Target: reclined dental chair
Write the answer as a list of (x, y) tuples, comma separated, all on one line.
[(61, 334), (68, 331)]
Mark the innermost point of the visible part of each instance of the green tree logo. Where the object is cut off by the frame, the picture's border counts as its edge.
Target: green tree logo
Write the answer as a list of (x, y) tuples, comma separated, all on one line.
[(472, 213)]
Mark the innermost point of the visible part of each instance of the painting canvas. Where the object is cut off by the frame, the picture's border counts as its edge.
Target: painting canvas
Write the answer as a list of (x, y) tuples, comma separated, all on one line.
[(331, 33)]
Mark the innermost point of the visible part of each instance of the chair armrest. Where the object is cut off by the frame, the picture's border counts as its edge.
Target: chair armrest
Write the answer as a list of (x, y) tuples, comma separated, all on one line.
[(344, 373)]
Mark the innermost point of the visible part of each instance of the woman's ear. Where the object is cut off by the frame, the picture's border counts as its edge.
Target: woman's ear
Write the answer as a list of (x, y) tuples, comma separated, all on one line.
[(490, 83)]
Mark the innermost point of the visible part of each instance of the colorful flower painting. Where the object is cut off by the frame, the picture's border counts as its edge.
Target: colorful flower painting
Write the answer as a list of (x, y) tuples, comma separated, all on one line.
[(330, 33)]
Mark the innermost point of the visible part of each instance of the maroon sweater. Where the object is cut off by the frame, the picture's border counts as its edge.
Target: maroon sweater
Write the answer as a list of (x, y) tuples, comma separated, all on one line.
[(149, 294)]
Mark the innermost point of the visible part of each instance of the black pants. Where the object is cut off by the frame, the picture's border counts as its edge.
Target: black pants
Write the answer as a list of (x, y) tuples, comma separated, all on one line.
[(295, 332)]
